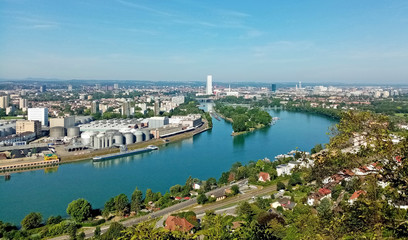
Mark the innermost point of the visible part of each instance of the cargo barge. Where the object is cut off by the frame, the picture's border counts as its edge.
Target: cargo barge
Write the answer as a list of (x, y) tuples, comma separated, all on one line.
[(123, 153)]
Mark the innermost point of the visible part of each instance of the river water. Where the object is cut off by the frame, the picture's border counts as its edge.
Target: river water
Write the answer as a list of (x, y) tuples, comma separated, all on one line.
[(202, 156)]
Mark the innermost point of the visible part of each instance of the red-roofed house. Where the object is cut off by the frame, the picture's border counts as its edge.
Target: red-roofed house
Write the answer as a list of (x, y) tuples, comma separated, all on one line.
[(355, 195), (264, 177), (319, 195), (180, 224), (177, 198)]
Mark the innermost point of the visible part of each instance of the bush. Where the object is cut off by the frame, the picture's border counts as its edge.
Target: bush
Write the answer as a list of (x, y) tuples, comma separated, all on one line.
[(32, 220), (280, 185), (202, 199), (54, 220)]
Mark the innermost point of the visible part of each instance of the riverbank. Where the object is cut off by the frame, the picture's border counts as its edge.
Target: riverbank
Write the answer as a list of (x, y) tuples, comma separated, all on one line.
[(67, 157)]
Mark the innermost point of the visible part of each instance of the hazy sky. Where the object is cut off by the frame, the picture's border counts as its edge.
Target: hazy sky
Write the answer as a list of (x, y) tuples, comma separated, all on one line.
[(270, 41)]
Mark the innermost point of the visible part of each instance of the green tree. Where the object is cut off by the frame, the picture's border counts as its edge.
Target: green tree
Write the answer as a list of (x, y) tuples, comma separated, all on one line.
[(97, 232), (239, 123), (32, 220), (245, 211), (149, 196), (54, 220), (79, 209), (136, 200), (201, 199), (72, 231), (109, 207), (114, 231), (280, 185), (324, 210), (121, 204), (235, 189)]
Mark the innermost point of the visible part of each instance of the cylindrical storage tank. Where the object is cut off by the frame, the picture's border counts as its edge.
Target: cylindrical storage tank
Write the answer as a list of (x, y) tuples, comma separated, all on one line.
[(146, 134), (128, 138), (96, 142), (57, 132), (118, 139), (101, 140), (73, 132), (139, 136)]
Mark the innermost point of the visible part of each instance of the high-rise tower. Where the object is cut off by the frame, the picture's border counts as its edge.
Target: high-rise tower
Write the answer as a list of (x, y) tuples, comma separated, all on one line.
[(209, 85)]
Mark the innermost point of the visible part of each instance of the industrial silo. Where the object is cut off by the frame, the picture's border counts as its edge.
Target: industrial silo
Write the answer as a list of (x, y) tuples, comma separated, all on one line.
[(146, 134), (57, 132), (101, 140), (128, 138), (139, 136), (118, 139), (73, 132)]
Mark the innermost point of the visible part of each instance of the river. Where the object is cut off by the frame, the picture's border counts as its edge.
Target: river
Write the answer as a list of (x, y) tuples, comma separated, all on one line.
[(202, 156)]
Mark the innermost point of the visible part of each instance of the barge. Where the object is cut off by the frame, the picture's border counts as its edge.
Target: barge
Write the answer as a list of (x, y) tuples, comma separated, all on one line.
[(124, 152)]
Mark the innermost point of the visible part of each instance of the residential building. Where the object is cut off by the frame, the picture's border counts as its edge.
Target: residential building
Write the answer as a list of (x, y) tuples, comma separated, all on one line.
[(23, 126), (4, 101), (264, 177), (174, 223), (94, 107), (23, 103), (355, 195), (40, 114)]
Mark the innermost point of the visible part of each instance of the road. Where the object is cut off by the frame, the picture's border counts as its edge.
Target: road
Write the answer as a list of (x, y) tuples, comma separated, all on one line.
[(89, 232)]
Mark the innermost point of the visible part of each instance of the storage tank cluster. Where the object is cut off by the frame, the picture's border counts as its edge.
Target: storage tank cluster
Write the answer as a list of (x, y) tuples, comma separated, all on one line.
[(111, 138)]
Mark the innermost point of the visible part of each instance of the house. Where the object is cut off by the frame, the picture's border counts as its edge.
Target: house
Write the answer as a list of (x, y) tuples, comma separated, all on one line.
[(177, 198), (196, 186), (284, 202), (219, 195), (236, 225), (282, 169), (174, 223), (264, 177), (322, 193), (355, 195)]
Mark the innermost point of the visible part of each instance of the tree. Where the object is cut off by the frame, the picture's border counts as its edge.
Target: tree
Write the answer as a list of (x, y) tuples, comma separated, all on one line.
[(79, 209), (109, 207), (245, 210), (114, 231), (201, 199), (72, 231), (317, 148), (136, 200), (32, 220), (54, 220), (280, 185), (97, 231), (295, 179), (121, 204), (235, 189), (174, 190), (149, 196), (324, 209), (239, 122)]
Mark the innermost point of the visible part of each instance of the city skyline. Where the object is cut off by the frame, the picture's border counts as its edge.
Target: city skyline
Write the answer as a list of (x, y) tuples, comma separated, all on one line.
[(318, 41)]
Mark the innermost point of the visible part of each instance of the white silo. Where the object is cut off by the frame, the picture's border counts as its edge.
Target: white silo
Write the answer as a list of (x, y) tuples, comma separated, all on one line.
[(139, 136), (128, 138)]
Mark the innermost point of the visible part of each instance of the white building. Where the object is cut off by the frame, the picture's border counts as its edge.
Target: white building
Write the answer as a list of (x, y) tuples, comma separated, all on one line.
[(209, 85), (177, 100), (40, 114)]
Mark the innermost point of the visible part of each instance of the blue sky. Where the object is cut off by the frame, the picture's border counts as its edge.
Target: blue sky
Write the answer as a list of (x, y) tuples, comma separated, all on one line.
[(346, 41)]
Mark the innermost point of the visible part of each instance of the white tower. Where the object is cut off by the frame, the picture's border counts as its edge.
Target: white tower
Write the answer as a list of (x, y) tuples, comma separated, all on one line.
[(209, 85), (300, 85)]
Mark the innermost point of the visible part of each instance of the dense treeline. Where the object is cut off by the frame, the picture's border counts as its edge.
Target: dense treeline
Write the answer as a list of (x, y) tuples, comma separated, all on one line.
[(244, 119)]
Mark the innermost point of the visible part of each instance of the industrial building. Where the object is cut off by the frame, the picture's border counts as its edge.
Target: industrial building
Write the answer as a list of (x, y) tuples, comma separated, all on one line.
[(112, 138), (40, 114), (111, 124), (7, 128), (158, 122), (17, 139), (191, 120), (65, 122), (23, 126)]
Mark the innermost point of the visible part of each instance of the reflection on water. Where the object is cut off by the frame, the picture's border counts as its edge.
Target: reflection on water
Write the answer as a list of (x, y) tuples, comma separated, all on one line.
[(51, 169), (239, 141), (119, 161)]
